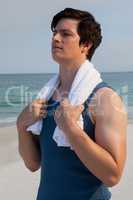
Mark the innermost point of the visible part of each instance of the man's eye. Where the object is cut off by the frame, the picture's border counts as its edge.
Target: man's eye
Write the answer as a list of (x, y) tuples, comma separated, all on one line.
[(66, 34), (63, 34)]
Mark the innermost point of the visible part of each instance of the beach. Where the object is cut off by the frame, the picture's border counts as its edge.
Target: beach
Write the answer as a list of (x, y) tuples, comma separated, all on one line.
[(17, 182)]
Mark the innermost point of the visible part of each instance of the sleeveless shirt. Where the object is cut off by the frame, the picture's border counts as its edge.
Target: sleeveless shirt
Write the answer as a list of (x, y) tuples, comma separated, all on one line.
[(63, 175)]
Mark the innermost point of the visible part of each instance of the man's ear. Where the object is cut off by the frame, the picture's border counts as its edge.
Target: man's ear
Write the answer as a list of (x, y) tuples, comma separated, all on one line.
[(86, 46)]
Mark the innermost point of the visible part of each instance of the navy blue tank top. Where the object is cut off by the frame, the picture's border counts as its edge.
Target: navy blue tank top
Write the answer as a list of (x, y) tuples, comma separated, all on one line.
[(63, 175)]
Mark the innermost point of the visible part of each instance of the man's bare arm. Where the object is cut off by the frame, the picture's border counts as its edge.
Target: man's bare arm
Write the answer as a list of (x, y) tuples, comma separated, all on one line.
[(105, 158), (29, 147), (28, 144)]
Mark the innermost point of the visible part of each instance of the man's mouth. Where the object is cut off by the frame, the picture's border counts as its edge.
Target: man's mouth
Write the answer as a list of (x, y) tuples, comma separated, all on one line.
[(57, 47)]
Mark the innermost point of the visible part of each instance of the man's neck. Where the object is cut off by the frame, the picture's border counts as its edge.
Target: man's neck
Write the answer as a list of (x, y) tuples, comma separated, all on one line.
[(67, 73)]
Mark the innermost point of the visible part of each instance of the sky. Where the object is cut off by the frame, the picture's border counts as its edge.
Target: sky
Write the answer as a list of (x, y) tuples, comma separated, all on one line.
[(25, 35)]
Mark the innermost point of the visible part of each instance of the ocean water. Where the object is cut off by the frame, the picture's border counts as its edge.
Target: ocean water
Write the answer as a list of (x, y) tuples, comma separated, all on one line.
[(17, 90)]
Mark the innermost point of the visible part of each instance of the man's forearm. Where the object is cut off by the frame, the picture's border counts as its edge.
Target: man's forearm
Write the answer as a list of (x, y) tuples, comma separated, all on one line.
[(94, 157), (28, 148)]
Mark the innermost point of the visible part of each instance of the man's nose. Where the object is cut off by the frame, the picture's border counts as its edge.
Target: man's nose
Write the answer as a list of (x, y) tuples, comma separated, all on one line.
[(57, 37)]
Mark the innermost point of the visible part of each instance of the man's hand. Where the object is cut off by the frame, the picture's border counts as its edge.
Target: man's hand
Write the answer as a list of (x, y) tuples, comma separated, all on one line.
[(38, 109), (66, 114), (32, 113)]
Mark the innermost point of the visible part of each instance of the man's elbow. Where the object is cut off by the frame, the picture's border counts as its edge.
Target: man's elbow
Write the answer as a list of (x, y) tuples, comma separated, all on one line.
[(112, 181), (33, 167)]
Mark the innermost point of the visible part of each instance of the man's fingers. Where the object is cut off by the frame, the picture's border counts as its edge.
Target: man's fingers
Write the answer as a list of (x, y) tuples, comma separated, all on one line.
[(43, 113), (80, 107), (41, 101), (65, 102), (57, 113)]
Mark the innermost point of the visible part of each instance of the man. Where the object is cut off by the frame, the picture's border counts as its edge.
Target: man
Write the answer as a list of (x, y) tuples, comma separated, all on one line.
[(99, 150)]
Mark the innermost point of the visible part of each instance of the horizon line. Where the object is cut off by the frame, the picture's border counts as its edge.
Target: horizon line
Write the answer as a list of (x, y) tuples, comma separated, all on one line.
[(56, 72)]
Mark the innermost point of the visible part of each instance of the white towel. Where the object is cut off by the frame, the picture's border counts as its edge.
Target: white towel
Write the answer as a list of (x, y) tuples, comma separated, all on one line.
[(86, 79)]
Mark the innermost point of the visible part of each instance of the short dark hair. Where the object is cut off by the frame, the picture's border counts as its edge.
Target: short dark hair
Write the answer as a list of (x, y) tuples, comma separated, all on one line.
[(89, 29)]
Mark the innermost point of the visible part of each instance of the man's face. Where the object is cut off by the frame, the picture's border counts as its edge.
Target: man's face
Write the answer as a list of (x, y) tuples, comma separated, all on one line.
[(65, 41)]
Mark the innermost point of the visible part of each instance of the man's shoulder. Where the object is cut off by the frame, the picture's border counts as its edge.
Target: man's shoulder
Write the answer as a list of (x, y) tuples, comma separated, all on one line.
[(107, 95), (104, 94), (106, 100)]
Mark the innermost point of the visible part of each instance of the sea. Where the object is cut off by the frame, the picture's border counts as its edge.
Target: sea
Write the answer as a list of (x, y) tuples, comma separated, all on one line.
[(18, 90)]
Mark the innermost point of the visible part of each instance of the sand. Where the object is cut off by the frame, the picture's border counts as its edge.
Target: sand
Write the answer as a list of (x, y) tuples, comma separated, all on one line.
[(17, 182)]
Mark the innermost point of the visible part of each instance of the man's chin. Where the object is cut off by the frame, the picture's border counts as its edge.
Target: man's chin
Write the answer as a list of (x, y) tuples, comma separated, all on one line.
[(57, 58)]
